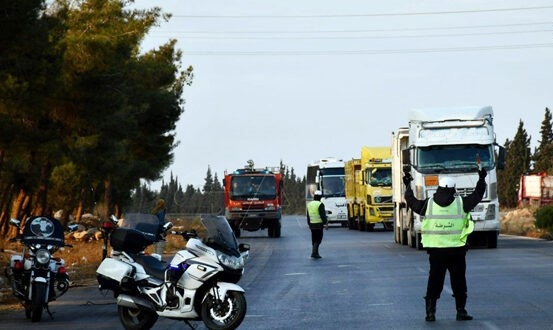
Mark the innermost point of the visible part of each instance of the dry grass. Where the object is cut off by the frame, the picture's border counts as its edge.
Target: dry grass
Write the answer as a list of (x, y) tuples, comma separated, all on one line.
[(521, 222)]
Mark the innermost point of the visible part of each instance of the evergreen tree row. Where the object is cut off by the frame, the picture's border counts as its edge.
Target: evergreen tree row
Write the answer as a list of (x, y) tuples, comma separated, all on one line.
[(210, 199), (521, 160)]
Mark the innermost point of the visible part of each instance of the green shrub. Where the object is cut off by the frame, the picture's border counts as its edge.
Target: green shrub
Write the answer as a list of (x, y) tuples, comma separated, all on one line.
[(544, 218)]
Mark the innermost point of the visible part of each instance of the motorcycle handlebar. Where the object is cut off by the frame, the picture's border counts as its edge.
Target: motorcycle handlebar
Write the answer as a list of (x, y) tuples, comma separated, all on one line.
[(185, 234)]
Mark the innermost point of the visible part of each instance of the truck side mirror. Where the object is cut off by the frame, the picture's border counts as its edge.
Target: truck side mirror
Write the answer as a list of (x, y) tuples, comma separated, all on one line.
[(501, 158), (406, 156)]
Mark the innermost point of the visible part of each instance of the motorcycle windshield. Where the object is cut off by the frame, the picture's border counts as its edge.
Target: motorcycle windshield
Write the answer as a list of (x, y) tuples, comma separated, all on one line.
[(219, 235), (143, 222), (43, 230)]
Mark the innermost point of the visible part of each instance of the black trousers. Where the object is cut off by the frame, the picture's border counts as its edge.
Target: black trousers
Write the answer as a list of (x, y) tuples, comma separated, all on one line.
[(316, 234), (439, 264)]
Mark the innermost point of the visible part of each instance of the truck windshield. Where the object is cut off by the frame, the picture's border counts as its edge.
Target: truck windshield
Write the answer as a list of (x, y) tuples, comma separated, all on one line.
[(253, 186), (333, 185), (381, 177), (457, 158)]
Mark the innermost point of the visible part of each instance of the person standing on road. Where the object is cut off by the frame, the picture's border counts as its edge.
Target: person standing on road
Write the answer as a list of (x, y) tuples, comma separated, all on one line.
[(159, 211), (316, 220), (444, 230)]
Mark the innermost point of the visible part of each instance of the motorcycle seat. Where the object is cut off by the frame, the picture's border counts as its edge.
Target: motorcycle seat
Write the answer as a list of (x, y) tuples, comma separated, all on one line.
[(152, 265)]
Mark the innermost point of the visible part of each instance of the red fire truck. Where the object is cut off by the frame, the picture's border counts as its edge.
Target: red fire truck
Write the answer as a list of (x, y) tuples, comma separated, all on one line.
[(253, 199)]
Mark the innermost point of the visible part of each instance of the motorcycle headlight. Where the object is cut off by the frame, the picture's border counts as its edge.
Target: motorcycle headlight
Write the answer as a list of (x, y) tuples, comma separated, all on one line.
[(42, 256), (230, 261)]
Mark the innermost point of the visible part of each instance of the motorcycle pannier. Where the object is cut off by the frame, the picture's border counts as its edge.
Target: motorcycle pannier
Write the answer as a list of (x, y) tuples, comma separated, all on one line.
[(112, 274)]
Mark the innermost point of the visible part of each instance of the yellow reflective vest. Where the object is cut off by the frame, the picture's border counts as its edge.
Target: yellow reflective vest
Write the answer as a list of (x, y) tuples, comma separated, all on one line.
[(313, 211), (445, 227)]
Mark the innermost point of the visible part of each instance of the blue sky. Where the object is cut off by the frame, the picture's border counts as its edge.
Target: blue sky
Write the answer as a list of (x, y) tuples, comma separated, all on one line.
[(299, 80)]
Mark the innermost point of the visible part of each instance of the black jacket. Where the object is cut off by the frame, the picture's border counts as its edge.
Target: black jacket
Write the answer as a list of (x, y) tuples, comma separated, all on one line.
[(444, 197)]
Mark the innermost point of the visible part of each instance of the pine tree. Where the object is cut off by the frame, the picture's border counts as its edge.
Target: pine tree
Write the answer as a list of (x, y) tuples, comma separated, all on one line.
[(208, 185), (517, 162), (543, 155), (293, 196)]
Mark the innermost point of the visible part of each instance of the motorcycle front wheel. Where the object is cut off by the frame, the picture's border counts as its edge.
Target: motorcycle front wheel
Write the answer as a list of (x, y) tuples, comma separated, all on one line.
[(224, 314), (136, 319), (37, 302)]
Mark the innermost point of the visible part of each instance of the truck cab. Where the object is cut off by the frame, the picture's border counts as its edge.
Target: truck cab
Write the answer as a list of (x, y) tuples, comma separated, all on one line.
[(253, 200), (452, 142)]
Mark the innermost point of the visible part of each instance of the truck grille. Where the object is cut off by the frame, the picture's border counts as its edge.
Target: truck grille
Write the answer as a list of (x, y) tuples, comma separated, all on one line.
[(465, 191), (253, 206), (383, 199)]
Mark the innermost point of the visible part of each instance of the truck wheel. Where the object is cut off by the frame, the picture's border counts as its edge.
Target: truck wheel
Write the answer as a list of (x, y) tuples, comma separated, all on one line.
[(418, 242), (277, 230), (492, 240), (404, 234)]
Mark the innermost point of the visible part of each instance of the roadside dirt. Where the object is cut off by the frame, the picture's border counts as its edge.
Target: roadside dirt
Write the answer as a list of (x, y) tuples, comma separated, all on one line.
[(521, 222)]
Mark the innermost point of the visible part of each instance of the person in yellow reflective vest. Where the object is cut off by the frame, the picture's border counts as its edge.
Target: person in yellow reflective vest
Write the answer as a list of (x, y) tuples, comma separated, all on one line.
[(316, 220), (444, 230)]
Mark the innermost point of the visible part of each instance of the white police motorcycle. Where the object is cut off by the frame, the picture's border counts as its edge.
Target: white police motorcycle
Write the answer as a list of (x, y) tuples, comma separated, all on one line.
[(199, 283)]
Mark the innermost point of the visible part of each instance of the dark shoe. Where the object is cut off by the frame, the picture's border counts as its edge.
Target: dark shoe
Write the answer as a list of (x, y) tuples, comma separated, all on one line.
[(463, 315), (460, 302), (315, 253), (430, 309)]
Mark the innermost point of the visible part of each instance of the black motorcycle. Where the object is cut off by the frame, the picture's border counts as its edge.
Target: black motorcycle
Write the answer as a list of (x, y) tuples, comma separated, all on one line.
[(36, 276)]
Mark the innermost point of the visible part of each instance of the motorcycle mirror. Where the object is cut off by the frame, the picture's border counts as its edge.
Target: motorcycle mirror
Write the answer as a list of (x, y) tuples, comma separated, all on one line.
[(114, 219), (72, 227), (243, 247), (15, 222)]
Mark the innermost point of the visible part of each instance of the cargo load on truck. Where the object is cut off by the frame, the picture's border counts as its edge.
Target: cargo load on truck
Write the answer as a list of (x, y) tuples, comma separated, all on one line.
[(535, 190), (369, 189), (253, 199), (447, 141)]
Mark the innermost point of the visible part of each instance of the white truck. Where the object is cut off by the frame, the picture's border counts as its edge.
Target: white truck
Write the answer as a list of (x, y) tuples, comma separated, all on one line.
[(328, 176), (447, 141)]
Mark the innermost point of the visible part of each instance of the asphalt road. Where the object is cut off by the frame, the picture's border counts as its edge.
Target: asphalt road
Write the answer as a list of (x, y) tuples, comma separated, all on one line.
[(363, 281)]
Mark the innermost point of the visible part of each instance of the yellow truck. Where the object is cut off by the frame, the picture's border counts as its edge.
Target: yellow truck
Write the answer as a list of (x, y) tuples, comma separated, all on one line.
[(369, 189)]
